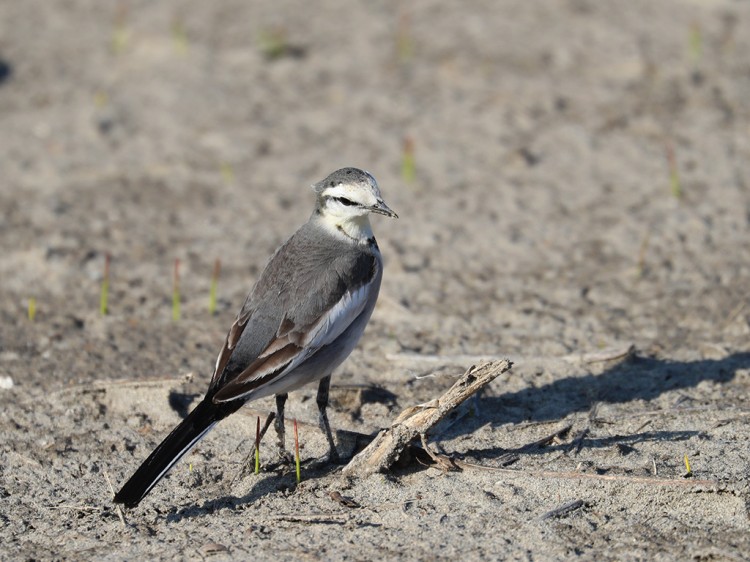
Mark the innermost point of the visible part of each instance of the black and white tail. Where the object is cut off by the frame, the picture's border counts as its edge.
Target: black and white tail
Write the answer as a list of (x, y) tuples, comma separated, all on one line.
[(177, 444)]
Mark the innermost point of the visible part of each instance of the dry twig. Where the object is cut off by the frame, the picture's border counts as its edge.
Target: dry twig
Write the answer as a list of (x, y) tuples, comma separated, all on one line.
[(443, 462), (563, 509), (322, 518), (418, 420), (118, 509)]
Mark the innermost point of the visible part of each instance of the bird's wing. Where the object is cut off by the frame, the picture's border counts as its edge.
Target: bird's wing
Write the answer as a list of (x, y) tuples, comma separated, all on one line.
[(230, 343), (291, 346)]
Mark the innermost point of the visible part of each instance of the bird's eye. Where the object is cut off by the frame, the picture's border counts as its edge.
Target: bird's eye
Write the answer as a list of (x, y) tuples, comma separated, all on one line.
[(345, 201)]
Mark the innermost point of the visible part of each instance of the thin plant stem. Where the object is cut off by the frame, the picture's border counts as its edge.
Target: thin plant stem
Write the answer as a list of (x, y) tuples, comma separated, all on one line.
[(408, 163), (257, 447), (296, 453)]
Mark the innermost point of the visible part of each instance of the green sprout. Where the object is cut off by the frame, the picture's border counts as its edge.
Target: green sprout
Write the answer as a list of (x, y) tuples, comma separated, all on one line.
[(408, 164), (32, 309), (696, 43), (404, 41), (273, 43), (120, 34), (227, 172), (179, 37), (101, 99)]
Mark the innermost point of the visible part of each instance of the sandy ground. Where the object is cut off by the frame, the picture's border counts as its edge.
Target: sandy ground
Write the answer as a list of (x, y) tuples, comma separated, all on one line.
[(581, 185)]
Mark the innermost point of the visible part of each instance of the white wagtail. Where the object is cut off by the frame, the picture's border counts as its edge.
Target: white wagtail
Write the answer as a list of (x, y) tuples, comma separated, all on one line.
[(304, 316)]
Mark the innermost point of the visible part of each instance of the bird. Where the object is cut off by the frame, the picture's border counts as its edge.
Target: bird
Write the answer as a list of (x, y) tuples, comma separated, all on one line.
[(303, 317)]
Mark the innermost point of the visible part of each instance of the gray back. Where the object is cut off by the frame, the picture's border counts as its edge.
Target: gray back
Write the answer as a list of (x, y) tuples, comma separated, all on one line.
[(304, 278)]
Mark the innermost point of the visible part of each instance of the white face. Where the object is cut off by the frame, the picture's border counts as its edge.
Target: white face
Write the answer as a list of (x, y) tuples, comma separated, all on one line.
[(345, 199), (351, 199)]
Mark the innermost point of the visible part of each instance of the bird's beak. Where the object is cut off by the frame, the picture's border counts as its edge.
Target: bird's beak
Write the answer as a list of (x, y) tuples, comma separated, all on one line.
[(382, 209)]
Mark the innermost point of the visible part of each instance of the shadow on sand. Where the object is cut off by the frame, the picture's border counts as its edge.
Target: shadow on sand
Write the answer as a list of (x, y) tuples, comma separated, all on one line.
[(274, 482), (638, 378)]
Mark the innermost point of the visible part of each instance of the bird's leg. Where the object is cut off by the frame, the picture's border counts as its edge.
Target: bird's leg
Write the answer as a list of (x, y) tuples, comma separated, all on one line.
[(279, 427), (325, 427)]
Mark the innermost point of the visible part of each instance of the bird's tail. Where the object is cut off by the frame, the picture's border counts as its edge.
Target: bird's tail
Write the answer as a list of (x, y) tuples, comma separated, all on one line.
[(177, 444)]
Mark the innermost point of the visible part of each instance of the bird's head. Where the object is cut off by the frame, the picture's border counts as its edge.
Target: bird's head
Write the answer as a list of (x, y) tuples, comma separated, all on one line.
[(349, 193)]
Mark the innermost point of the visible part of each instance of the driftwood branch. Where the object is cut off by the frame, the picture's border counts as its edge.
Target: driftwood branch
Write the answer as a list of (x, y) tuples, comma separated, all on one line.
[(416, 421)]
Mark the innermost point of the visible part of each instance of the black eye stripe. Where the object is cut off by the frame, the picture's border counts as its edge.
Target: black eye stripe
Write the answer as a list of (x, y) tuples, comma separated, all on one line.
[(345, 201)]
